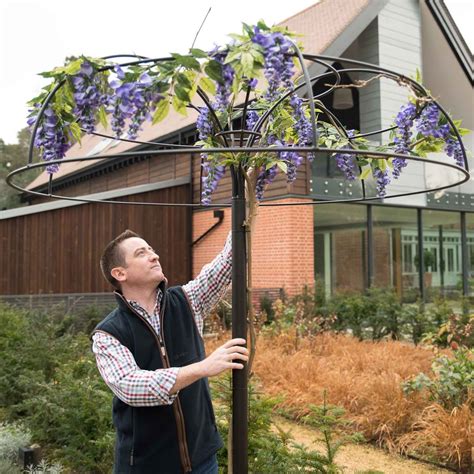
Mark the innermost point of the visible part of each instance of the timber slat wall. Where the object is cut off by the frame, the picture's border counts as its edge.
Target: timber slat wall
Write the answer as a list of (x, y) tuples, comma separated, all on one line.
[(149, 170), (279, 187), (58, 251)]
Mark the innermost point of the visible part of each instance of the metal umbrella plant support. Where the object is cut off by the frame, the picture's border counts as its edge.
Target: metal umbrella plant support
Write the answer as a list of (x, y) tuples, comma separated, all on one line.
[(245, 142)]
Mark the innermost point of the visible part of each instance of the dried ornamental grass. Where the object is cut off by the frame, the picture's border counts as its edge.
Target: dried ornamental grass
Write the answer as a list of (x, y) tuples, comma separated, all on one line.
[(447, 434), (365, 378)]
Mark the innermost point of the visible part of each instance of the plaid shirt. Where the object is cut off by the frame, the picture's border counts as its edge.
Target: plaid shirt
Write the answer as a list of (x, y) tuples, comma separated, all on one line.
[(116, 363)]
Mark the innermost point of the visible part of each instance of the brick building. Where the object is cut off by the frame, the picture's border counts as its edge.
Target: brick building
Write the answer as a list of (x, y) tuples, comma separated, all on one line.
[(348, 246)]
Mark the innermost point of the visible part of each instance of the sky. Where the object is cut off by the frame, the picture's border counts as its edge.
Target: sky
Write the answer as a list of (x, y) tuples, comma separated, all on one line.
[(36, 36)]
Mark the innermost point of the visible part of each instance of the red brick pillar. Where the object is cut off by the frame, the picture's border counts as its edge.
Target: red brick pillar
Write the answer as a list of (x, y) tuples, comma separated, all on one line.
[(283, 246)]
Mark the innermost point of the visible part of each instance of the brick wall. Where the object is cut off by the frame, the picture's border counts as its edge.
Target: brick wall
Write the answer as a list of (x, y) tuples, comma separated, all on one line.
[(283, 246)]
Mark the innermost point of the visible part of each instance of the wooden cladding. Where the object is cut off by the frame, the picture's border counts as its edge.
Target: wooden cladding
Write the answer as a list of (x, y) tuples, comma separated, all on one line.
[(122, 175), (279, 187), (58, 251)]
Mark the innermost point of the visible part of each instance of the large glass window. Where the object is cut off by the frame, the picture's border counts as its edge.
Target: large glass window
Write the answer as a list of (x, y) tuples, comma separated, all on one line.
[(470, 250), (341, 246), (442, 253), (395, 240)]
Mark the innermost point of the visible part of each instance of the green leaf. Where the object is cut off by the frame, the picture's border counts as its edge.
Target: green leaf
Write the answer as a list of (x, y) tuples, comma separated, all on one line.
[(179, 106), (187, 61), (283, 166), (366, 172), (207, 85), (233, 56), (238, 38), (198, 53), (247, 64), (382, 164), (76, 131), (74, 67), (161, 111), (181, 93), (183, 81), (214, 70), (103, 116)]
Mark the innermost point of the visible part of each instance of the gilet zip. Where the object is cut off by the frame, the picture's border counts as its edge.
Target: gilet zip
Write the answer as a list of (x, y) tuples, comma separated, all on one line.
[(177, 409)]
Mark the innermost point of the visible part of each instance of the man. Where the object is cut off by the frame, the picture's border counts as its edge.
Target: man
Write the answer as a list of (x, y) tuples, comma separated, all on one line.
[(150, 352)]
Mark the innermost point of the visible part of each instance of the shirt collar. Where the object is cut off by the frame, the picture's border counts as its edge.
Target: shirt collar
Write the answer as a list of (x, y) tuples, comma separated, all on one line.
[(142, 311)]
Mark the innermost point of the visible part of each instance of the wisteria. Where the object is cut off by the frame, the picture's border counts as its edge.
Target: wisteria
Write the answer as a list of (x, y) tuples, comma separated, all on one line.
[(404, 121), (453, 149), (88, 96), (211, 177), (279, 67), (264, 178), (123, 97), (428, 123), (203, 123), (131, 100), (223, 89), (50, 138), (382, 180), (251, 119)]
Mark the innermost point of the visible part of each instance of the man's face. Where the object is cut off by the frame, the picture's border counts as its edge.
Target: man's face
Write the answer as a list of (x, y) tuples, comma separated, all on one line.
[(142, 266)]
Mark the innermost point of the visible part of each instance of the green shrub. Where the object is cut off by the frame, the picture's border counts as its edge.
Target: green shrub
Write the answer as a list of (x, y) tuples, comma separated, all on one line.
[(7, 466), (50, 381), (452, 381), (457, 331), (272, 450), (13, 437), (70, 414), (45, 467)]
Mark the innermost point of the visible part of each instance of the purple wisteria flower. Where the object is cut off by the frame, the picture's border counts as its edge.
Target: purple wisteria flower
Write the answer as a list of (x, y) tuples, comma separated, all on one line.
[(210, 179), (50, 139), (87, 96), (224, 88), (265, 177), (453, 149), (131, 100), (428, 123), (382, 180), (345, 161), (279, 68), (203, 123), (404, 121), (251, 119)]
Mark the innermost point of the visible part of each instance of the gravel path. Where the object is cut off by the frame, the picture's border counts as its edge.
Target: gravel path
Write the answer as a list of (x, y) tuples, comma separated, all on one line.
[(354, 458)]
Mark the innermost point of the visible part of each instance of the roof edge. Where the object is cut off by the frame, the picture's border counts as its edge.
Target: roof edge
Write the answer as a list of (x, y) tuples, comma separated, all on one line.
[(113, 193), (453, 36)]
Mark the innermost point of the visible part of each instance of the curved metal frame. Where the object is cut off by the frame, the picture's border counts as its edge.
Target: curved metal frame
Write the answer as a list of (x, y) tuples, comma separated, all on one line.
[(253, 135)]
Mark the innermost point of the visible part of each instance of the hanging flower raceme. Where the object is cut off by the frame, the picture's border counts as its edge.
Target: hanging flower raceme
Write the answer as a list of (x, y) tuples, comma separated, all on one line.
[(124, 97), (87, 96), (51, 138), (279, 66), (224, 86), (131, 101), (404, 121)]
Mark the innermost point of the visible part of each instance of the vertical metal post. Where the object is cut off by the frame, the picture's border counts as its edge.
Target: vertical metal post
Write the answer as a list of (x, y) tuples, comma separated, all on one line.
[(464, 256), (421, 255), (370, 248), (239, 325), (441, 258)]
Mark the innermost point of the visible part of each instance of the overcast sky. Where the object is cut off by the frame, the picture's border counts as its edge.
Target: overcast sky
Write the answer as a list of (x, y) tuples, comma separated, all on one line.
[(37, 35)]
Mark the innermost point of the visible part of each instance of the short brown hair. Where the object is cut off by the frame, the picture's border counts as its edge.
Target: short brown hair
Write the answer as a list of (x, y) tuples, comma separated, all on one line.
[(113, 256)]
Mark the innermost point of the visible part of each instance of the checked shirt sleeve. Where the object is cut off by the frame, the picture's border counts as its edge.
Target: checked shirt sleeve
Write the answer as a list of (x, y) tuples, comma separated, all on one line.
[(205, 291), (128, 382)]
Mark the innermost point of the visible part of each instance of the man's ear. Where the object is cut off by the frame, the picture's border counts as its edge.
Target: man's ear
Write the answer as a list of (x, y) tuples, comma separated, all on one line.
[(119, 273)]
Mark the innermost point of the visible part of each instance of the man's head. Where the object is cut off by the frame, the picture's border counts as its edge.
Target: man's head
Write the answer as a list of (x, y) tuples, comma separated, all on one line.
[(128, 260)]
